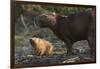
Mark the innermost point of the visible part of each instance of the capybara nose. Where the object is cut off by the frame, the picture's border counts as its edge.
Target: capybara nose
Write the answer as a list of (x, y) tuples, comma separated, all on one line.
[(30, 40)]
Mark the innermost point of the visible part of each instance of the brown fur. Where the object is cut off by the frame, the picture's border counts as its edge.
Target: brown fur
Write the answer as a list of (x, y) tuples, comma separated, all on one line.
[(71, 28), (43, 47)]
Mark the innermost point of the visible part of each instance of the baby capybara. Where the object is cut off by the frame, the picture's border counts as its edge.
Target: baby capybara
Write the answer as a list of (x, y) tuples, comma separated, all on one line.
[(43, 47)]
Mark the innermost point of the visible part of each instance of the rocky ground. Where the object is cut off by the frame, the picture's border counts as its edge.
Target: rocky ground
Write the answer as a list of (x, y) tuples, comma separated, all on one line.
[(24, 52)]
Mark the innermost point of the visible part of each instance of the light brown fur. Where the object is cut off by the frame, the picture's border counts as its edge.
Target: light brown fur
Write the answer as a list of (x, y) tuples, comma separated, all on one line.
[(43, 47)]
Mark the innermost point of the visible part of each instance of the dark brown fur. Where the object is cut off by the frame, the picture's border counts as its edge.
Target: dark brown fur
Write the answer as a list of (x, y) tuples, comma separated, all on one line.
[(71, 28)]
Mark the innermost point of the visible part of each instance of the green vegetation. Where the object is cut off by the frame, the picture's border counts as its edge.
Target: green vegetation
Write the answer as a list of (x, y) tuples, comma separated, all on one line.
[(35, 8)]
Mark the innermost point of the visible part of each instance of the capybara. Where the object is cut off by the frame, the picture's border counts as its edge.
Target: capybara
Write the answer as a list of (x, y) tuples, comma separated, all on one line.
[(70, 28), (43, 47)]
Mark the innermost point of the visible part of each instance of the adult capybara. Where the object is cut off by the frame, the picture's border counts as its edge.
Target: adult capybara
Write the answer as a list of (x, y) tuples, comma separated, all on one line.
[(71, 28), (43, 47)]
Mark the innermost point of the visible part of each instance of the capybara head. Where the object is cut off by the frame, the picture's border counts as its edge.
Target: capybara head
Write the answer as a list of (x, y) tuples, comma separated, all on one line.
[(43, 47), (32, 41), (47, 19)]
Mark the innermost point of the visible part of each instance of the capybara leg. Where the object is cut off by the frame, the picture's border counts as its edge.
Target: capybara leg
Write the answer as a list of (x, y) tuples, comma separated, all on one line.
[(42, 52), (49, 51), (69, 48), (91, 42)]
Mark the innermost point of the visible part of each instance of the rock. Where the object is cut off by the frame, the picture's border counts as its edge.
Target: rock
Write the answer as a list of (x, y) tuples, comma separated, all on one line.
[(72, 60)]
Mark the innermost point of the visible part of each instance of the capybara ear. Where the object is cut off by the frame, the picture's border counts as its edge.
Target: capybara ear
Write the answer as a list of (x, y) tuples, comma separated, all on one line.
[(54, 13)]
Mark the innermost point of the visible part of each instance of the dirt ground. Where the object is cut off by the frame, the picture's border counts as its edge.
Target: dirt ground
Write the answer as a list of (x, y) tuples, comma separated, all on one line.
[(25, 53)]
